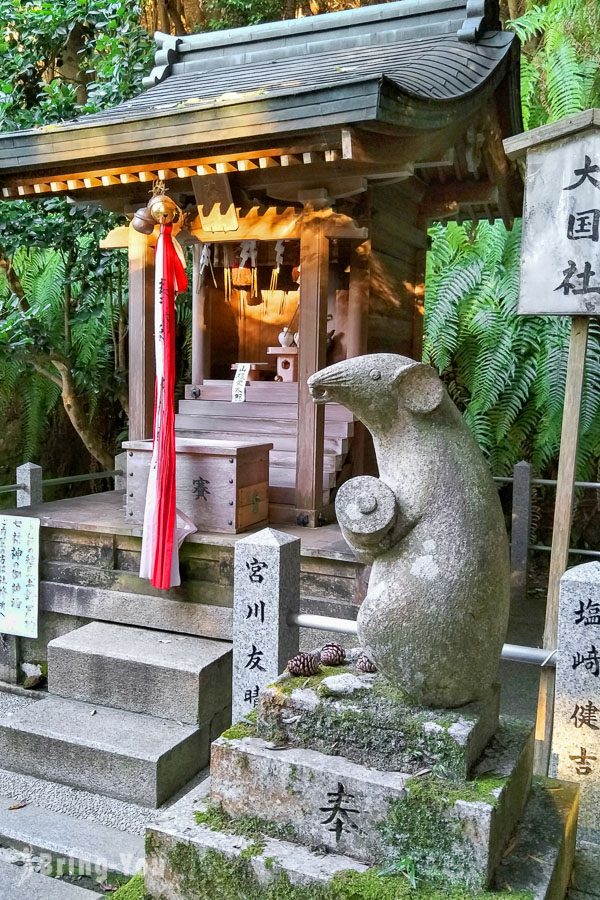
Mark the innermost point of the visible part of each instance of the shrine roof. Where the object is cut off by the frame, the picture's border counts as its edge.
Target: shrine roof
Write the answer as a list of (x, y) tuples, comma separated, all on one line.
[(412, 63)]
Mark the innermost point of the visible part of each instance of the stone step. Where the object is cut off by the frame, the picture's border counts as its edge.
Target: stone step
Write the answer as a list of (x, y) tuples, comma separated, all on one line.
[(174, 837), (162, 674), (114, 752), (540, 858), (353, 809), (61, 838), (19, 883)]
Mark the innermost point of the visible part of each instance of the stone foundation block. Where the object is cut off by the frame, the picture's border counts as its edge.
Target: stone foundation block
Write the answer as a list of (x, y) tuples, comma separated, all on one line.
[(184, 860), (456, 829), (326, 801), (362, 718)]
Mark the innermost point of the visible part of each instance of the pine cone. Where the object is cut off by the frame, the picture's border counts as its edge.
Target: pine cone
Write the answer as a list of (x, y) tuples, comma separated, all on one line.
[(304, 664), (364, 664), (333, 654)]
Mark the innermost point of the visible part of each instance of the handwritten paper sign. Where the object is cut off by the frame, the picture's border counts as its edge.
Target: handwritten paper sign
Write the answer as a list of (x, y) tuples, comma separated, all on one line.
[(560, 261), (238, 388), (19, 575)]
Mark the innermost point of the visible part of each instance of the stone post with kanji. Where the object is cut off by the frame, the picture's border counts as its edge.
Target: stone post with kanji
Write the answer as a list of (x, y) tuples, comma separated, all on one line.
[(576, 733), (266, 592)]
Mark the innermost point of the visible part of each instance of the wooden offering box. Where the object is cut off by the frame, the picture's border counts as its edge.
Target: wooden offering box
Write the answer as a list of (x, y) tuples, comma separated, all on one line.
[(221, 485)]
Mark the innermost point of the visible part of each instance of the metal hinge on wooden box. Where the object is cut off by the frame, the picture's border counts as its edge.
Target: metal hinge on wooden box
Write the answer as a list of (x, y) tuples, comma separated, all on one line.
[(221, 485)]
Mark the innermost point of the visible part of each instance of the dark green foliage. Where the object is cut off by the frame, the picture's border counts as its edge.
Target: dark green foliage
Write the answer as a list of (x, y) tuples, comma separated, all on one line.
[(58, 56), (560, 66), (505, 372), (237, 13)]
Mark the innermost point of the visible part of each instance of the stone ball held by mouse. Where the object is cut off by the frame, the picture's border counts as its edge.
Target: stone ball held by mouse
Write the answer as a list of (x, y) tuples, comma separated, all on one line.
[(436, 611)]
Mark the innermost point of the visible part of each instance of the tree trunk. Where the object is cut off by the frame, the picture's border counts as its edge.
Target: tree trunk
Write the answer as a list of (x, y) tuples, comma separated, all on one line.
[(74, 410)]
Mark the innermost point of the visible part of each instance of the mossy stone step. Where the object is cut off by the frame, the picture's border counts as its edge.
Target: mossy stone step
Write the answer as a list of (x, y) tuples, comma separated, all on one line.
[(457, 829)]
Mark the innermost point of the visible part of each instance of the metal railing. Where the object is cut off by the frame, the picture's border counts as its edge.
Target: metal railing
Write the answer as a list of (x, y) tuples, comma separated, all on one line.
[(30, 484), (522, 483), (533, 656)]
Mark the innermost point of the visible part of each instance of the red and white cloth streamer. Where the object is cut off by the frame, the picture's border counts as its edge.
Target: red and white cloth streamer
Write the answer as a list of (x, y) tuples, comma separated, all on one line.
[(165, 527)]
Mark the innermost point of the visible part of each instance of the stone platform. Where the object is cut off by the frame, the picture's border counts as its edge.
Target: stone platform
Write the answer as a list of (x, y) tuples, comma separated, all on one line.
[(361, 717), (335, 781), (195, 851)]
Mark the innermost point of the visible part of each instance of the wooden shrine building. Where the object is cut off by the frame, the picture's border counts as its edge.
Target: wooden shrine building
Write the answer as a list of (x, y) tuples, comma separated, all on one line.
[(332, 141)]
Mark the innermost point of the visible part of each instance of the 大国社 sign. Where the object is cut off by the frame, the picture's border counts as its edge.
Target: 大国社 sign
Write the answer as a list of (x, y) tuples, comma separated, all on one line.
[(560, 261)]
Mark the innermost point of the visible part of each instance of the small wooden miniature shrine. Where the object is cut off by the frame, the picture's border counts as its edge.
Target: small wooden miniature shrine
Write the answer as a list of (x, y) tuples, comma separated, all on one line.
[(309, 157)]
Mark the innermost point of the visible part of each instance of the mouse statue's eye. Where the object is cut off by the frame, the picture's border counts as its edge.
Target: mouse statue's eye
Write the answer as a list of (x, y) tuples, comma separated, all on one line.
[(375, 374)]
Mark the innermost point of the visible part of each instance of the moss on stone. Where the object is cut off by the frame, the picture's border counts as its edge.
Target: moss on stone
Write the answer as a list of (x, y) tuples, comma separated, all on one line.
[(253, 849), (132, 890), (376, 727), (239, 730), (302, 682), (151, 844), (253, 828), (292, 776), (212, 875), (421, 826)]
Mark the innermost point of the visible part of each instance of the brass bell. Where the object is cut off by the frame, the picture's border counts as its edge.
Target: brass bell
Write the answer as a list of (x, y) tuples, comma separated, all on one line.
[(163, 209), (142, 221)]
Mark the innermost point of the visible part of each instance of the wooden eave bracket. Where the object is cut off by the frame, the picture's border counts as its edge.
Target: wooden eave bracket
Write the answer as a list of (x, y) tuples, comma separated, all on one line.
[(270, 224), (281, 157)]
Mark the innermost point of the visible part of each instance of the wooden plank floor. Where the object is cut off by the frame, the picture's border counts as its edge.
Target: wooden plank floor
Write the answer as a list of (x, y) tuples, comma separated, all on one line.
[(104, 513)]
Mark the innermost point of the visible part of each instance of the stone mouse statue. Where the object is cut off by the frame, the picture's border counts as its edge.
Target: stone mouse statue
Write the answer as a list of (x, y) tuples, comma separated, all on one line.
[(436, 611)]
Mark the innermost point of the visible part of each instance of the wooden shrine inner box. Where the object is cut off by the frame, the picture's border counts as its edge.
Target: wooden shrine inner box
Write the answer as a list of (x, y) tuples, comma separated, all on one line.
[(221, 485)]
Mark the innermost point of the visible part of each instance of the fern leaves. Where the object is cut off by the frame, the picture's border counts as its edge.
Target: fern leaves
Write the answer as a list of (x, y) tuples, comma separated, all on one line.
[(507, 373)]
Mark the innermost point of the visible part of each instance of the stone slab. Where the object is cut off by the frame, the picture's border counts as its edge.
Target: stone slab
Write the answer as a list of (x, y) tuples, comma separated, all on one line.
[(20, 883), (266, 591), (114, 752), (295, 787), (585, 881), (542, 852), (374, 726), (175, 829), (172, 676), (63, 837), (354, 810), (576, 731)]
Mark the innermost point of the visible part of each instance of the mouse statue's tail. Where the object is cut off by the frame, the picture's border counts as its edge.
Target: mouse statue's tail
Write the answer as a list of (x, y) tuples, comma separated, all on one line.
[(436, 612)]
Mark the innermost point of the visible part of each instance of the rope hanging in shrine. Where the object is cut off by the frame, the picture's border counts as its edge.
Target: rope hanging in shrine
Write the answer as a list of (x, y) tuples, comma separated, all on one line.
[(165, 527)]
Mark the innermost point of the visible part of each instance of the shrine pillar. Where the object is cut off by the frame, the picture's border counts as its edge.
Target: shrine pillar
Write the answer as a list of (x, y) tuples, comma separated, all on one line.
[(200, 322), (141, 335), (358, 300), (314, 284)]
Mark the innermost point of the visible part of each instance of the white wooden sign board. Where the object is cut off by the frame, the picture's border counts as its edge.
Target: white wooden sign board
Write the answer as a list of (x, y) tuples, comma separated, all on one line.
[(19, 575), (560, 257)]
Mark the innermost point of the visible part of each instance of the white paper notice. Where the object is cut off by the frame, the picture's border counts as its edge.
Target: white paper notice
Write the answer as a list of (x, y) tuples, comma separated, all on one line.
[(238, 390), (19, 575)]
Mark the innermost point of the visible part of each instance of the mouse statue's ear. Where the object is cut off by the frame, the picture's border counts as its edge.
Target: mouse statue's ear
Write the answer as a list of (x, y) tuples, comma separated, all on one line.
[(421, 390)]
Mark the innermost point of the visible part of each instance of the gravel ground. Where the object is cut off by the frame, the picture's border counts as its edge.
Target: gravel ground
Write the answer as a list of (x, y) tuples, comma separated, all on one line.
[(73, 802)]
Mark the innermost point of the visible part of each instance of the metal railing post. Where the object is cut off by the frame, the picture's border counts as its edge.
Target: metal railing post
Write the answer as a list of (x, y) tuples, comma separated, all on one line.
[(29, 479), (521, 527)]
